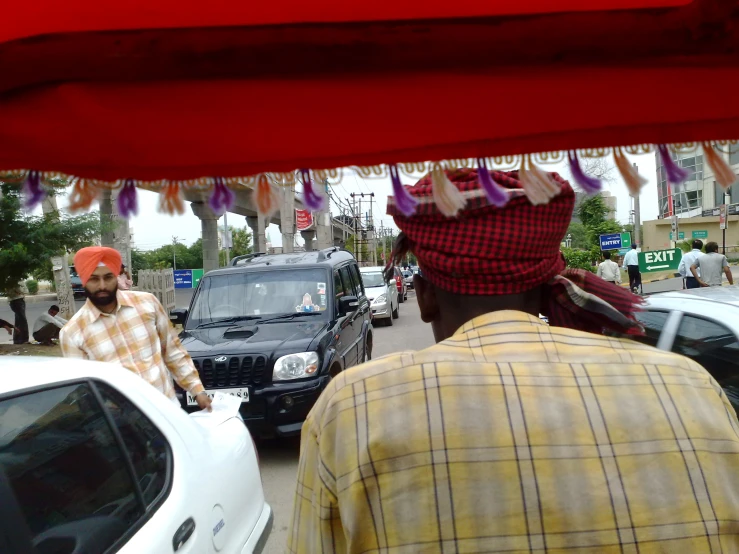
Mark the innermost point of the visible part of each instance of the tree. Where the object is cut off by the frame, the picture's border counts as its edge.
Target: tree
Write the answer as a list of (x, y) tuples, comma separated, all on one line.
[(579, 235), (241, 240), (593, 211), (27, 243)]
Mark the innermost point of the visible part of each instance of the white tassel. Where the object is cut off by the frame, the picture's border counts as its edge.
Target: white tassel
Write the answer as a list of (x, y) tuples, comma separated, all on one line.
[(446, 195), (634, 181), (538, 185)]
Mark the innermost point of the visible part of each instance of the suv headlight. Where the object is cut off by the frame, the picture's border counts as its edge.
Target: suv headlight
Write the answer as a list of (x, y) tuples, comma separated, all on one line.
[(380, 299), (295, 366)]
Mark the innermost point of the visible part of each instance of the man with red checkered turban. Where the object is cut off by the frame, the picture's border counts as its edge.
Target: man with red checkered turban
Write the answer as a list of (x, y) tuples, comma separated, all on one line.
[(511, 435)]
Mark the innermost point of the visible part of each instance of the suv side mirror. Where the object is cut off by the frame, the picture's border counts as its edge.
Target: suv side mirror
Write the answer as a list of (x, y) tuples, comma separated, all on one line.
[(178, 316), (348, 304)]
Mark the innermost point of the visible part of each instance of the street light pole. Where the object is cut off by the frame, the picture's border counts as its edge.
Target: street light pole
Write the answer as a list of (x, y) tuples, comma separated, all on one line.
[(174, 252)]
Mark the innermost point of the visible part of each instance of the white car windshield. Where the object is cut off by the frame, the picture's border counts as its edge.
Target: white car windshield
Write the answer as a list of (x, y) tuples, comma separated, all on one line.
[(373, 279), (259, 294)]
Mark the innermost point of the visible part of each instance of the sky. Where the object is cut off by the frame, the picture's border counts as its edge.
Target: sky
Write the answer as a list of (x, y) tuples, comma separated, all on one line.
[(152, 229)]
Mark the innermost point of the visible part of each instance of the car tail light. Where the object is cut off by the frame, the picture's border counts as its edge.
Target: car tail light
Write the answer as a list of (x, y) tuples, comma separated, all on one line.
[(399, 281)]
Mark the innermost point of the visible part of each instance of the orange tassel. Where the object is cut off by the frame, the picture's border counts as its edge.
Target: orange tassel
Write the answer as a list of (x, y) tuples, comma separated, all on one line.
[(538, 185), (84, 193), (721, 170), (634, 181), (268, 201), (170, 200)]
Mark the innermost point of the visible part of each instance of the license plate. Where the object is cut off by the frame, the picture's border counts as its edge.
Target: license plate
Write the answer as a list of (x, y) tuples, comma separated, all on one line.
[(242, 393)]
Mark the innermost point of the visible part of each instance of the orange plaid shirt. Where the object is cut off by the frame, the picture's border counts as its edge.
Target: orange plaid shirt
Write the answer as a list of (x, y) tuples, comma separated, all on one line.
[(137, 335)]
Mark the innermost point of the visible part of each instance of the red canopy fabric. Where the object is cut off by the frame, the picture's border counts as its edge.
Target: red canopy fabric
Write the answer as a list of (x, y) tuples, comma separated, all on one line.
[(181, 90)]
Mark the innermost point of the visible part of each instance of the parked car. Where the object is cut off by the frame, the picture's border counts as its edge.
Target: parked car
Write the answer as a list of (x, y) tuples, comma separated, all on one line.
[(274, 330), (94, 459), (702, 324), (400, 283), (383, 295), (78, 288), (408, 278)]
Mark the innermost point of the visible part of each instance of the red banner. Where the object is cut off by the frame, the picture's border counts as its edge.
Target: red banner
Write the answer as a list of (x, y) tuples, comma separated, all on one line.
[(304, 220)]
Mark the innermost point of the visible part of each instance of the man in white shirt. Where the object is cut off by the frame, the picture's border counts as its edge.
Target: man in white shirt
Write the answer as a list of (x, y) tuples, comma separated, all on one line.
[(48, 325), (711, 266), (687, 262), (608, 270), (631, 263)]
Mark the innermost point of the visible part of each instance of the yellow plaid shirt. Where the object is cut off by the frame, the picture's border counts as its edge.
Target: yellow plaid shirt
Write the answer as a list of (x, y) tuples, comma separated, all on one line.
[(512, 436), (137, 335)]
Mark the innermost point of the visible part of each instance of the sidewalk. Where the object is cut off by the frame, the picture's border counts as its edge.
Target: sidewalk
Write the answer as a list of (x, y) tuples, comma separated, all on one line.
[(33, 299)]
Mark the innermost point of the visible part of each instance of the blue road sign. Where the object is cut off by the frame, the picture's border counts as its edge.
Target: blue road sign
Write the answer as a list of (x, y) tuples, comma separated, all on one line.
[(183, 279), (610, 242)]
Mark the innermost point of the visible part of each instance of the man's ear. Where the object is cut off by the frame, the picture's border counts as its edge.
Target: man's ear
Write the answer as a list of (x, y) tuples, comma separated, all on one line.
[(426, 297)]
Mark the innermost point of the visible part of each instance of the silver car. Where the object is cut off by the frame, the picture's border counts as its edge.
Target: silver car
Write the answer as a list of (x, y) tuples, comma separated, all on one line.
[(383, 295), (702, 324)]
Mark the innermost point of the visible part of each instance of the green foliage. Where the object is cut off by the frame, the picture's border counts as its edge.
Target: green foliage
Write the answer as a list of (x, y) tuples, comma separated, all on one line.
[(241, 239), (603, 228), (578, 259), (579, 235), (593, 211), (27, 243), (32, 286)]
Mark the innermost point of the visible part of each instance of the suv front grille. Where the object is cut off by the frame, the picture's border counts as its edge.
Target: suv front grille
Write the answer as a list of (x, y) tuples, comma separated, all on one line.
[(236, 371)]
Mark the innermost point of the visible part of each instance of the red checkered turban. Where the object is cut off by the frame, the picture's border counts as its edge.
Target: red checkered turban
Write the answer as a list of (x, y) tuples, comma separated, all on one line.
[(487, 250)]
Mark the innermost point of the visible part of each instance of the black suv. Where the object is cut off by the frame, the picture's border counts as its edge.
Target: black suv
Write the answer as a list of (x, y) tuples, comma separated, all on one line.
[(274, 330)]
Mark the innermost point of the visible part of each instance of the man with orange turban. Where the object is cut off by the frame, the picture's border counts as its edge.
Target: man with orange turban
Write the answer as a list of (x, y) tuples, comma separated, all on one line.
[(511, 435), (126, 327)]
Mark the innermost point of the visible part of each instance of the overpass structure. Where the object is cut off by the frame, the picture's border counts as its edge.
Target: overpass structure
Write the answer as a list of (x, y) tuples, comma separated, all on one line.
[(326, 231)]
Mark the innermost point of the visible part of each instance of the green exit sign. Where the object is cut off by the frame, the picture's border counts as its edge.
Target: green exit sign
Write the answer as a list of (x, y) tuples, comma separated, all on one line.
[(680, 235), (660, 260), (700, 234)]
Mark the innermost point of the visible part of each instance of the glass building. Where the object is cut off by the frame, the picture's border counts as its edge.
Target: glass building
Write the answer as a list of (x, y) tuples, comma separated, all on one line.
[(700, 194)]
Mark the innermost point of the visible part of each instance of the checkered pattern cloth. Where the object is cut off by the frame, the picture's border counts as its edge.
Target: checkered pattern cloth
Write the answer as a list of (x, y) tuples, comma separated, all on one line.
[(138, 336), (513, 436), (487, 250)]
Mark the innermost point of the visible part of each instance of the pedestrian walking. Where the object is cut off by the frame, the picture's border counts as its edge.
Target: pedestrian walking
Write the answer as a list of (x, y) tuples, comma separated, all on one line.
[(17, 303), (48, 325), (608, 270), (124, 279), (128, 328), (511, 435), (711, 266), (687, 261), (631, 263)]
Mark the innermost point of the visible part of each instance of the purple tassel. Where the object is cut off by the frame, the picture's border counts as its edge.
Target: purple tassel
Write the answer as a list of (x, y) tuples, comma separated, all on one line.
[(404, 201), (222, 198), (127, 203), (313, 200), (591, 185), (33, 192), (675, 174), (496, 194)]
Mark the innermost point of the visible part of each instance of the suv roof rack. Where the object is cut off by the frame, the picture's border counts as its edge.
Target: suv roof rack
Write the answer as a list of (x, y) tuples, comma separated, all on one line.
[(246, 257), (326, 253)]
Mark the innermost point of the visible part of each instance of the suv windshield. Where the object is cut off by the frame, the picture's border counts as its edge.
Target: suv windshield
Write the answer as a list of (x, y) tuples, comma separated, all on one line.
[(257, 295), (373, 279)]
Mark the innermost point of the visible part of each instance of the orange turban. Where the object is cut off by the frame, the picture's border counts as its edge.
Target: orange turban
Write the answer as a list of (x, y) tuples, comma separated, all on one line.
[(87, 260)]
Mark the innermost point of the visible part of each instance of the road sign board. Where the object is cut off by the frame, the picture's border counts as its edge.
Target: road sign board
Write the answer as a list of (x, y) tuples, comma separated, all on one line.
[(722, 217), (615, 241), (680, 235), (659, 260), (183, 279), (197, 274), (700, 234)]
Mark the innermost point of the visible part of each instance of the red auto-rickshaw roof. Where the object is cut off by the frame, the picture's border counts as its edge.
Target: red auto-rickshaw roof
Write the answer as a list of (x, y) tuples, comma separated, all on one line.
[(179, 90)]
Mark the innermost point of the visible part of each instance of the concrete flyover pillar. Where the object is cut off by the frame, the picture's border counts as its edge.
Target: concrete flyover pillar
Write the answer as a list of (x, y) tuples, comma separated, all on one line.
[(258, 236), (209, 230), (308, 237), (324, 230), (287, 218)]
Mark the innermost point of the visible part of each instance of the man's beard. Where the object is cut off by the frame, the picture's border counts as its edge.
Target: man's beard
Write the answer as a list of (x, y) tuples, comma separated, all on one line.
[(102, 298)]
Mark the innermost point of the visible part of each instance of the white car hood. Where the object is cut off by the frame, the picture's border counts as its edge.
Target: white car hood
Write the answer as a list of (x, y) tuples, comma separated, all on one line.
[(374, 292)]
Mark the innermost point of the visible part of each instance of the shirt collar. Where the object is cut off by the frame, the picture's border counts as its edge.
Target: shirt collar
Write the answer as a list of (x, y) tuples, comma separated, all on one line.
[(499, 318), (696, 251), (94, 312)]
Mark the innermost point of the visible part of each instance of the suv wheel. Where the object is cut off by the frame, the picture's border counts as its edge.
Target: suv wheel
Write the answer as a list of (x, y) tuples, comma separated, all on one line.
[(395, 313), (368, 347)]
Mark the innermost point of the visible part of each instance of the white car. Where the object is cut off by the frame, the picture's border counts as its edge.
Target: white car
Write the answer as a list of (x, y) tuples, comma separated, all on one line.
[(94, 459), (383, 295), (702, 324)]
